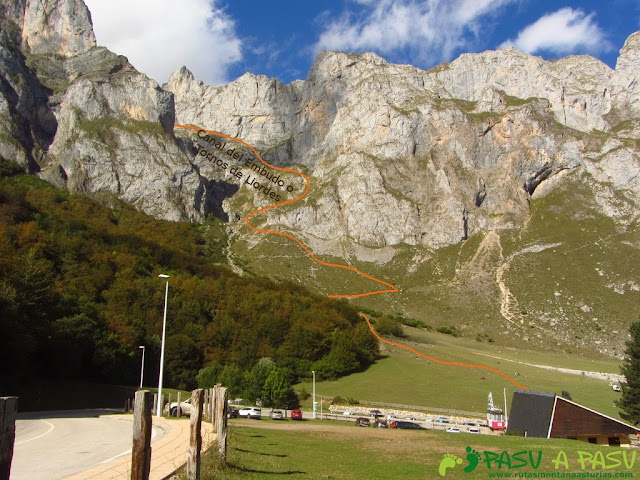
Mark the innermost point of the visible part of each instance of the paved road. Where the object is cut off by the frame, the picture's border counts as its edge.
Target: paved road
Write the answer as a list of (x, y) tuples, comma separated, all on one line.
[(53, 445)]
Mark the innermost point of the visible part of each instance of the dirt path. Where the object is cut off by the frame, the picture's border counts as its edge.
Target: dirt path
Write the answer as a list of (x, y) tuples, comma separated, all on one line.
[(607, 377)]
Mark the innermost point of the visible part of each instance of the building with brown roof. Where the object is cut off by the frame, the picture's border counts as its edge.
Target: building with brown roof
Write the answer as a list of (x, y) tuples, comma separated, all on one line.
[(538, 414)]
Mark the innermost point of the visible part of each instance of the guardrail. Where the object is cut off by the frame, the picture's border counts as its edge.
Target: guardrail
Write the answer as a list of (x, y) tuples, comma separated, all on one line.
[(419, 408), (461, 413)]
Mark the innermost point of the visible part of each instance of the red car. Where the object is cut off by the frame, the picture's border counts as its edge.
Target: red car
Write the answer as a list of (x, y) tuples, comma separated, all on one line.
[(296, 414)]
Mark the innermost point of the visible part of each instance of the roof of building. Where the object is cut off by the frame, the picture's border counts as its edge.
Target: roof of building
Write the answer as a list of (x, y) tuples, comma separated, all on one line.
[(540, 414), (531, 413), (572, 419)]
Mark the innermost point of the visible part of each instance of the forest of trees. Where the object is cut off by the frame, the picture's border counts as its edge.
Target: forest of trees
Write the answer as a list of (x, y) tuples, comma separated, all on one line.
[(629, 402), (79, 293)]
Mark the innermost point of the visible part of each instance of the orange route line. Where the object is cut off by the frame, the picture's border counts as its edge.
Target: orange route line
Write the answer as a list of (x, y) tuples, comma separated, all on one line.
[(484, 367), (391, 289)]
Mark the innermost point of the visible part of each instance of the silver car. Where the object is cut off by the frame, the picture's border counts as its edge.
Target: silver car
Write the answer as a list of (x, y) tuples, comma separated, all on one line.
[(276, 415)]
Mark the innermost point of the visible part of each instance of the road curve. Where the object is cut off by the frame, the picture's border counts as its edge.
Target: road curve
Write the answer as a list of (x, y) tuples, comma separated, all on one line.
[(53, 445)]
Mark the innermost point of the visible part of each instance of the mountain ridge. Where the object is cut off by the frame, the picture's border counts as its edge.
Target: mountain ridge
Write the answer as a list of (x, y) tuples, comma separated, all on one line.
[(432, 179)]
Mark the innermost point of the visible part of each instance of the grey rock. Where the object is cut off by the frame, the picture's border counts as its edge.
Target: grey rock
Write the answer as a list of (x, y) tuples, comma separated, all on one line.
[(85, 119), (415, 157), (57, 26), (400, 155)]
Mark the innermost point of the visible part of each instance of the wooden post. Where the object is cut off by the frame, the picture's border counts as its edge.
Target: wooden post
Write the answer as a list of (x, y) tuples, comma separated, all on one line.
[(179, 409), (205, 408), (195, 440), (221, 420), (8, 409), (141, 450), (212, 405)]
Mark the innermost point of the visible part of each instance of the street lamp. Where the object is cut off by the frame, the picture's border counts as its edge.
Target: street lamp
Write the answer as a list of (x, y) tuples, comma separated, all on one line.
[(314, 394), (164, 328), (142, 367)]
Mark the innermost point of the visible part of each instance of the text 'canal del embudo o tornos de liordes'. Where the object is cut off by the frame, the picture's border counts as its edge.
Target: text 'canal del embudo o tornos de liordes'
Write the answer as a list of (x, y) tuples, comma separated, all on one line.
[(226, 155)]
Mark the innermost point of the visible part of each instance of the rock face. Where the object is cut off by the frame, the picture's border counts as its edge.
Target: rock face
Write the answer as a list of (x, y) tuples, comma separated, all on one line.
[(402, 162), (431, 157), (401, 155), (84, 118)]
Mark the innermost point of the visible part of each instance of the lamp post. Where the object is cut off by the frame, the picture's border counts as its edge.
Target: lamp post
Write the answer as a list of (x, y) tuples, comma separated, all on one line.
[(142, 367), (164, 330), (314, 394)]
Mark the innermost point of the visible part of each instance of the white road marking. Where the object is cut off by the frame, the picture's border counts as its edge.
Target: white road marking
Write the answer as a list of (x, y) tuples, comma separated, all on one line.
[(51, 427), (153, 435)]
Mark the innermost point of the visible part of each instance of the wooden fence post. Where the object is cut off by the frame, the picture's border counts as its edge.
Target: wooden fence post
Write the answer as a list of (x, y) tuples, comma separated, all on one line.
[(207, 399), (211, 406), (8, 409), (221, 421), (214, 405), (141, 450), (179, 409), (195, 439)]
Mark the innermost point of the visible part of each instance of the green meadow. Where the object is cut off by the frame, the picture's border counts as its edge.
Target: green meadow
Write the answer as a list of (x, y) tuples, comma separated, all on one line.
[(401, 377), (332, 450)]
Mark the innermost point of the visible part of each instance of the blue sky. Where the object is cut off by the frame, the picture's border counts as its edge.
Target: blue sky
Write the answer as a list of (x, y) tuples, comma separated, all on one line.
[(219, 41)]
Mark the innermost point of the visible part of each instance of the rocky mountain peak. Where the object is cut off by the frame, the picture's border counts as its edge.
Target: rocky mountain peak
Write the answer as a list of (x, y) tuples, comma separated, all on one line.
[(629, 59), (402, 162), (60, 27)]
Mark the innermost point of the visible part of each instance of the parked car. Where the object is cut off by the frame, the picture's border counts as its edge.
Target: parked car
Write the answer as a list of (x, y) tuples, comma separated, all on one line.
[(232, 412), (443, 420), (362, 422), (406, 425), (453, 430), (381, 423), (474, 430), (250, 412), (276, 415), (616, 388), (296, 414), (185, 408)]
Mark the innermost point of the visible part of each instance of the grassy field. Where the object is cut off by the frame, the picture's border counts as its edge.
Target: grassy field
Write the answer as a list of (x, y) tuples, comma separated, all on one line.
[(324, 450), (401, 377), (572, 274)]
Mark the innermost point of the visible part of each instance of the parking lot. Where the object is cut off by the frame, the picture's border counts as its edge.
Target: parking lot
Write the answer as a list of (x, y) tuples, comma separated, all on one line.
[(381, 418)]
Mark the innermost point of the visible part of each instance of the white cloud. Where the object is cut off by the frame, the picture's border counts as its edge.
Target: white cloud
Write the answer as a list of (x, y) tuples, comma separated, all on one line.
[(561, 32), (428, 29), (159, 36)]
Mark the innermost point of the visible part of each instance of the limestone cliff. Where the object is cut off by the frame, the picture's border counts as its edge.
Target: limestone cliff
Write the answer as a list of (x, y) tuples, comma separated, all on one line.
[(432, 157), (526, 170), (84, 118)]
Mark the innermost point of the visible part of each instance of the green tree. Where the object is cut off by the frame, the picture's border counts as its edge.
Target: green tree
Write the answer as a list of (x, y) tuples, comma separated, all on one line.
[(277, 387), (255, 379), (386, 325), (210, 375), (629, 402), (232, 378), (182, 360), (342, 358)]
